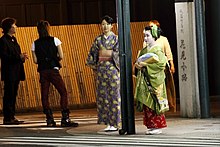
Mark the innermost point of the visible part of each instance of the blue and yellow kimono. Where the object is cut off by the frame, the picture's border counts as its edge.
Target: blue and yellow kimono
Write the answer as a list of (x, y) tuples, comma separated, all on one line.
[(107, 80)]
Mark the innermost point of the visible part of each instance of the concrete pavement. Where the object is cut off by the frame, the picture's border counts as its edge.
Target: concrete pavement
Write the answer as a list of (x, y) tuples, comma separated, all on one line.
[(177, 126)]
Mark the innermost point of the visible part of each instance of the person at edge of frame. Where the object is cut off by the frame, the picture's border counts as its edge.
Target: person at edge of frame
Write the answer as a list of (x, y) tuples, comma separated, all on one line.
[(12, 69)]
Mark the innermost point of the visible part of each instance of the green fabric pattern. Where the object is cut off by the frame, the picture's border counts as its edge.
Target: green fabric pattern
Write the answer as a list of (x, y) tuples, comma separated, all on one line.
[(156, 75)]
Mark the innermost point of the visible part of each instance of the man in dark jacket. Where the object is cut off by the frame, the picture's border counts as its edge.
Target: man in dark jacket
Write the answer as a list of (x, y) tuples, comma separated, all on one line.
[(12, 69)]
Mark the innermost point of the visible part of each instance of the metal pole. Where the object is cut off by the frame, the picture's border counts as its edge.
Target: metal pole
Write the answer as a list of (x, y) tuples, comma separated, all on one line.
[(202, 59), (124, 115), (129, 84), (128, 125), (128, 65)]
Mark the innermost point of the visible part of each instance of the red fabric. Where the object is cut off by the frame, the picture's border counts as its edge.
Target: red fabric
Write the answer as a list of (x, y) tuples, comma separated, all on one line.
[(52, 76), (153, 120)]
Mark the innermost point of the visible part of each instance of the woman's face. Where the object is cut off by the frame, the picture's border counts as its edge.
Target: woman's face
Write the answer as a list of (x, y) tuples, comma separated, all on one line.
[(106, 27), (148, 38)]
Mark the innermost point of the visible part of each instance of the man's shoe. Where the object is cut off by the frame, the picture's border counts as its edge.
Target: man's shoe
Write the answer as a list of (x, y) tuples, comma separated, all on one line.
[(18, 121), (68, 123), (12, 122), (51, 123)]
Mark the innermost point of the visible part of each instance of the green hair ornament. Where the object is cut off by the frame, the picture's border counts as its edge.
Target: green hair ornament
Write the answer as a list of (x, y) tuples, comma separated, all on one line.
[(154, 31)]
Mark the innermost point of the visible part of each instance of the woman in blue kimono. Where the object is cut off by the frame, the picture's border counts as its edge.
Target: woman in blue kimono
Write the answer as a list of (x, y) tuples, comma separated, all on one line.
[(103, 58)]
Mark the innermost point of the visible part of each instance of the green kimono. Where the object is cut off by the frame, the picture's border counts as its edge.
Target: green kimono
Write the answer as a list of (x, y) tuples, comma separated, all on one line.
[(155, 99)]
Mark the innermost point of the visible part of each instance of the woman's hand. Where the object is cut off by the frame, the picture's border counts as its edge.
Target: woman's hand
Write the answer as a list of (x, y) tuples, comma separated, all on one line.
[(138, 65), (172, 69)]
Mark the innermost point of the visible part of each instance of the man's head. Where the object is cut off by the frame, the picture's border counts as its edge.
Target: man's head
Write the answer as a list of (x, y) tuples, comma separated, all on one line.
[(43, 28), (8, 25)]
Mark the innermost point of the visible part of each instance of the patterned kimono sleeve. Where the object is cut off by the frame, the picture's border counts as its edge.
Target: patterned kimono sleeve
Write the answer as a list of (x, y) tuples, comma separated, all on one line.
[(162, 59), (115, 53), (92, 58)]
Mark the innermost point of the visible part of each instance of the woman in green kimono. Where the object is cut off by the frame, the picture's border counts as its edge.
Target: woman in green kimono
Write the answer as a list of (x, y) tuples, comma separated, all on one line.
[(103, 58), (150, 91)]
